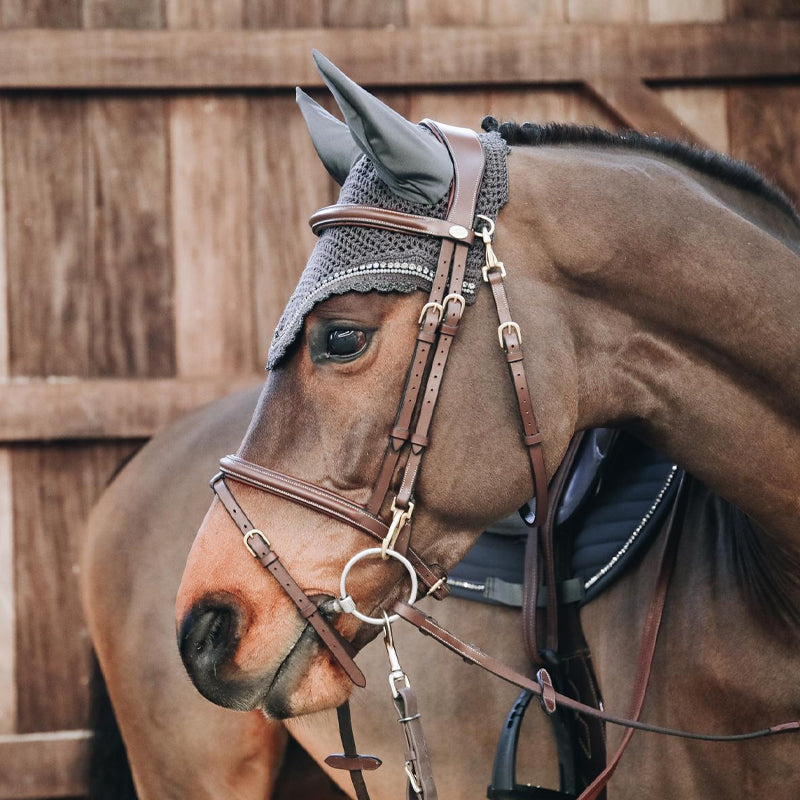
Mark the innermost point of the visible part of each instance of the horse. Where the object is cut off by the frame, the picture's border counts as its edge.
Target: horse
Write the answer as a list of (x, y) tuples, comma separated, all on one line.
[(179, 745), (658, 287)]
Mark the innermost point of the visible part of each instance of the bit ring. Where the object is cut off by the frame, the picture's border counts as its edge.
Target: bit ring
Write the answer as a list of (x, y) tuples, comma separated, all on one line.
[(374, 551)]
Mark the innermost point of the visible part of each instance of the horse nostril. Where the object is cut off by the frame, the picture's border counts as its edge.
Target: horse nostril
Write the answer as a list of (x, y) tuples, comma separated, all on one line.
[(207, 639)]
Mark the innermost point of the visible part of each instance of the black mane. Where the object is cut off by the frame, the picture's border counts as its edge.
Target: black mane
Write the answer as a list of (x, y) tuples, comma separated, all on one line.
[(733, 172)]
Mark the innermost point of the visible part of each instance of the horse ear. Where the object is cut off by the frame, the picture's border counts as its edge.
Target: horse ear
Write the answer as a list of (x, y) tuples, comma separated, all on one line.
[(331, 138), (412, 163)]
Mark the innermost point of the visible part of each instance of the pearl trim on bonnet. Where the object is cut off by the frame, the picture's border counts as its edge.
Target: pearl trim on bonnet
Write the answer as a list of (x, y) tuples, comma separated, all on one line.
[(363, 259)]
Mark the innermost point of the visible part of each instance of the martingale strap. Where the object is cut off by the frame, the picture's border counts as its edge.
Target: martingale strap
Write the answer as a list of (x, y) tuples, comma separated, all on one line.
[(551, 699)]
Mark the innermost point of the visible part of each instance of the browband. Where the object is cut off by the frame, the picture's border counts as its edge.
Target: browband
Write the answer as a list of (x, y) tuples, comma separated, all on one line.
[(384, 219)]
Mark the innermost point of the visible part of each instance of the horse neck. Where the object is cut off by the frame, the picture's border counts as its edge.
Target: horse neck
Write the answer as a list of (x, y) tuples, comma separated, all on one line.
[(682, 312)]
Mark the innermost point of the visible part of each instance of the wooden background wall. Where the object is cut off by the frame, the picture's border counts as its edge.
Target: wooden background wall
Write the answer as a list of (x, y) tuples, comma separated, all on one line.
[(154, 189)]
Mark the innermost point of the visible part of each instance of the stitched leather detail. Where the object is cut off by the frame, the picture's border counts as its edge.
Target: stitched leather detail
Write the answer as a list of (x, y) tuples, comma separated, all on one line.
[(370, 217)]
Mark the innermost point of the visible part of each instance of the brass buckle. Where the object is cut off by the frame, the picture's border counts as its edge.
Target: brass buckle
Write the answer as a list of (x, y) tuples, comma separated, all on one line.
[(401, 517), (436, 585), (255, 532), (512, 326), (438, 307), (456, 298), (494, 265)]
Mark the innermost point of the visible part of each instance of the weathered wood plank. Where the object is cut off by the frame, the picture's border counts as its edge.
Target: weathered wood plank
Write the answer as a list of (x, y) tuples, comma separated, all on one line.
[(40, 13), (261, 14), (288, 184), (703, 108), (525, 12), (214, 298), (44, 765), (549, 105), (456, 107), (366, 13), (5, 355), (105, 409), (445, 12), (204, 14), (687, 10), (763, 9), (8, 683), (48, 279), (123, 14), (608, 11), (52, 491), (765, 130), (427, 56), (640, 108), (130, 250)]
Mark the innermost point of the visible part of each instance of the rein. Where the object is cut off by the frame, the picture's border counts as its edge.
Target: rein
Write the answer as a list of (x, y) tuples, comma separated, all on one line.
[(410, 435)]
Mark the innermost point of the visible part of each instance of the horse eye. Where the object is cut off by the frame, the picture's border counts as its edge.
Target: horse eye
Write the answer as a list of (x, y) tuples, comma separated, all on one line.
[(344, 343)]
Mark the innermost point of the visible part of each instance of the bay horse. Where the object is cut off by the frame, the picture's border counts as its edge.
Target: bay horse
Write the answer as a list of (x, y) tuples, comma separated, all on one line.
[(657, 290)]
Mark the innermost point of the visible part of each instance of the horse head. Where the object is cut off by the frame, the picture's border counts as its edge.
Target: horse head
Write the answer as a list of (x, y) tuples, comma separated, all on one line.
[(338, 368)]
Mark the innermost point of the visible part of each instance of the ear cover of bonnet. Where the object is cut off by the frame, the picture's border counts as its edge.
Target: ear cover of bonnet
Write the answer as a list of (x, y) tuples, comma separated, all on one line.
[(332, 140), (411, 162), (404, 168)]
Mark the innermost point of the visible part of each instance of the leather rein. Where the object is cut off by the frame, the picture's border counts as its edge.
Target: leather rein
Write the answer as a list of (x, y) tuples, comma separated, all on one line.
[(410, 435)]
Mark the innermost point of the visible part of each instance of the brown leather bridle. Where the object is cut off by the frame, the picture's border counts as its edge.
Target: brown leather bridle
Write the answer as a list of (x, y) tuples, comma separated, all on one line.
[(410, 434), (439, 323)]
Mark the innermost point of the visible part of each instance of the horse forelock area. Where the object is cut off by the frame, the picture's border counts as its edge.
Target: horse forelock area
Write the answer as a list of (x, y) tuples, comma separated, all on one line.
[(716, 165)]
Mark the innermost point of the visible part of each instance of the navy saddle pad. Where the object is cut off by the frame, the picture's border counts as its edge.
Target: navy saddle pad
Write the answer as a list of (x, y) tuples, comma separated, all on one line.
[(617, 495)]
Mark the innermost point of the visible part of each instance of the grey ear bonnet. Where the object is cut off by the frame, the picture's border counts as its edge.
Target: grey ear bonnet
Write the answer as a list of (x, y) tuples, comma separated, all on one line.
[(358, 259), (414, 165), (335, 146)]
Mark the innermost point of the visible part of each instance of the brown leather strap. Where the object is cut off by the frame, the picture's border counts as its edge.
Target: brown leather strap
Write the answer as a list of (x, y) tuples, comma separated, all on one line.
[(467, 156), (325, 502), (426, 338), (468, 161), (259, 546), (473, 655), (534, 556), (418, 760), (447, 331), (371, 217), (647, 648), (512, 344), (307, 494), (351, 760)]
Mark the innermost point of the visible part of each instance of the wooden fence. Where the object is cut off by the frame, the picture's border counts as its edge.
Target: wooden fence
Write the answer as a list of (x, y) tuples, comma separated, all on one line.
[(155, 181)]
